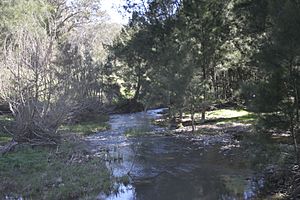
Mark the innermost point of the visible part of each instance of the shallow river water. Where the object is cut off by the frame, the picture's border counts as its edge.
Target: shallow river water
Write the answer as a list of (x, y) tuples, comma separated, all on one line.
[(170, 168)]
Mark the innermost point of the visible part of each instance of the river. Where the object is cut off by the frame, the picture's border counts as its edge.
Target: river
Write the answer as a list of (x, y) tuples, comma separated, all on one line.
[(170, 167)]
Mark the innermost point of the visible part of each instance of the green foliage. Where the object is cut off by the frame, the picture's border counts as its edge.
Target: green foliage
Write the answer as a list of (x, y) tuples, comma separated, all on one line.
[(197, 94), (190, 49), (43, 173), (31, 14), (275, 90), (278, 92), (277, 121)]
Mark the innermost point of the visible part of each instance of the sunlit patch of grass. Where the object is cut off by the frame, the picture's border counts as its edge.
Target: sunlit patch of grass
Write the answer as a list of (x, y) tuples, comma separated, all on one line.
[(223, 116), (231, 116), (216, 117), (65, 172), (226, 113), (85, 128)]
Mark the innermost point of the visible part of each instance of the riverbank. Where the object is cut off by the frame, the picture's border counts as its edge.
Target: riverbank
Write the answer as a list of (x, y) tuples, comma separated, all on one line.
[(68, 170), (226, 126)]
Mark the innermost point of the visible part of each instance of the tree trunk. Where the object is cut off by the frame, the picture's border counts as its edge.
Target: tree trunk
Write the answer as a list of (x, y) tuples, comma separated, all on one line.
[(180, 115), (296, 102), (292, 128), (295, 110), (138, 87), (203, 116), (193, 120)]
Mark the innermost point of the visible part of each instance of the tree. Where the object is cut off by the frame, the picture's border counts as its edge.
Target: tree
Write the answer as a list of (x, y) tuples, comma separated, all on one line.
[(49, 69), (278, 60), (29, 88)]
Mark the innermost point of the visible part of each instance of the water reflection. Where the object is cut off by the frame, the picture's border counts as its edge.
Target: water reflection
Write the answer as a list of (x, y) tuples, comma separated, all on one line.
[(171, 168)]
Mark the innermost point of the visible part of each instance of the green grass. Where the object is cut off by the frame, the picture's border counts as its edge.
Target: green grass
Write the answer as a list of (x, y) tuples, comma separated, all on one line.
[(4, 139), (221, 116), (231, 116), (227, 113), (83, 128), (86, 128), (65, 172)]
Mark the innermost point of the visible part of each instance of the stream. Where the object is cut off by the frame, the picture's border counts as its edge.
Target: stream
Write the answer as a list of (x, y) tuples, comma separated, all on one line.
[(172, 167)]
